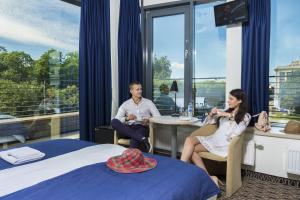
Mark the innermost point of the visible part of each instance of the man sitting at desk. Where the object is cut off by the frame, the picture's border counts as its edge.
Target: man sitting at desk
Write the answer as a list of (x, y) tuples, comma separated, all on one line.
[(133, 116), (164, 102)]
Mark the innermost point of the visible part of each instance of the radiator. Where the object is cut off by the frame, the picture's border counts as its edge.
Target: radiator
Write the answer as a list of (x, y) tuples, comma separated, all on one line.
[(293, 161), (249, 152)]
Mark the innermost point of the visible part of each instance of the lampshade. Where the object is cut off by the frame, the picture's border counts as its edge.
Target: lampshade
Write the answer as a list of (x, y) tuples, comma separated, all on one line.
[(174, 87)]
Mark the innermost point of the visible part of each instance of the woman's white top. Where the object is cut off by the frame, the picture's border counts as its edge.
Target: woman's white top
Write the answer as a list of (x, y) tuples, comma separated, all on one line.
[(218, 142)]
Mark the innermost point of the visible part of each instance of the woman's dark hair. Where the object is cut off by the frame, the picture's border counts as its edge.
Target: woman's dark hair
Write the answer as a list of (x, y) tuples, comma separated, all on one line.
[(240, 95)]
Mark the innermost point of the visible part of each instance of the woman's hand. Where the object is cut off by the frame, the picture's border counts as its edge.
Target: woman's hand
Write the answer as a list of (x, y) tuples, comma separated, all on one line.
[(213, 111), (221, 113)]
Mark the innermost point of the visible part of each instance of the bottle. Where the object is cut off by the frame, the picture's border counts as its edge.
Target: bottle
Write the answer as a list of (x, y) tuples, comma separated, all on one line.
[(190, 110)]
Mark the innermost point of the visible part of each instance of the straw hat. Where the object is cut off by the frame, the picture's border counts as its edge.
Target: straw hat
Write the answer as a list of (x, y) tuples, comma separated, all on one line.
[(131, 161), (292, 127)]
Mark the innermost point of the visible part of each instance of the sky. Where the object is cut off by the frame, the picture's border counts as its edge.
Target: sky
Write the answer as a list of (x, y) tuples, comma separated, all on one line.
[(34, 26), (285, 33), (210, 43)]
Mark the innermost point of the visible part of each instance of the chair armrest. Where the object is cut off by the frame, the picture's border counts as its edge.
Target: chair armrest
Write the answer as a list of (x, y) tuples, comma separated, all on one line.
[(235, 149), (234, 160), (205, 130)]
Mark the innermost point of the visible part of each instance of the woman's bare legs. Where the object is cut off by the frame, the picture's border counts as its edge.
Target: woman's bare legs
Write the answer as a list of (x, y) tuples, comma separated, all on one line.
[(197, 160), (188, 148), (191, 148)]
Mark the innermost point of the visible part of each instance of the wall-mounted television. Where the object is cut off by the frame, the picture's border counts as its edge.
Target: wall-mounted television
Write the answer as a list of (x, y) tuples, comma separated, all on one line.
[(231, 12)]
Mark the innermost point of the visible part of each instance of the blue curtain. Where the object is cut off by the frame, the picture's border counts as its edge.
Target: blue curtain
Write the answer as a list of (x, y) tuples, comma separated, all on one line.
[(255, 55), (129, 47), (94, 67)]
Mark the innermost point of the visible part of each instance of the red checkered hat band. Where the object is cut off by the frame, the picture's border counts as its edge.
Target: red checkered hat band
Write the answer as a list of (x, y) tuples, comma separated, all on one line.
[(131, 161)]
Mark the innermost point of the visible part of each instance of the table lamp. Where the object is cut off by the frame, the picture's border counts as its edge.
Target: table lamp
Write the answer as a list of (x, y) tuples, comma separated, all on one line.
[(174, 88)]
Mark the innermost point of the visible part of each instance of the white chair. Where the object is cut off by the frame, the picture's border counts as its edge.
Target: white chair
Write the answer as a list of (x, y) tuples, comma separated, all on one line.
[(120, 141)]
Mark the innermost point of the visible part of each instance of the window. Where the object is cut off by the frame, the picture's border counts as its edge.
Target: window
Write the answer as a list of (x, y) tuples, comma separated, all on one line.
[(38, 69), (170, 57), (285, 61), (167, 43), (168, 61), (210, 60)]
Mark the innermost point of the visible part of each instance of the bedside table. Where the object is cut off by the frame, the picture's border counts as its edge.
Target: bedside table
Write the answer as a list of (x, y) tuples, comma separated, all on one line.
[(104, 135)]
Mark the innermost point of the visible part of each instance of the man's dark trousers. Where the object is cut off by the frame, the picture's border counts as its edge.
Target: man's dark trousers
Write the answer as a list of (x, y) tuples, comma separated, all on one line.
[(135, 133)]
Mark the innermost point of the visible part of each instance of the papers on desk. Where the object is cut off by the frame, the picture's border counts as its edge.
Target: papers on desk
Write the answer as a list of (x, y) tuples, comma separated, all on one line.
[(21, 155)]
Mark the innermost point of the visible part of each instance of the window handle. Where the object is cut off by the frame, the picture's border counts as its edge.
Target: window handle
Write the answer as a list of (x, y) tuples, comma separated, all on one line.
[(186, 53)]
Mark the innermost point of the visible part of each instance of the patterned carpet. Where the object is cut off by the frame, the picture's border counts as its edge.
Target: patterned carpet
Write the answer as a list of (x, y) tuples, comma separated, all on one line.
[(264, 187)]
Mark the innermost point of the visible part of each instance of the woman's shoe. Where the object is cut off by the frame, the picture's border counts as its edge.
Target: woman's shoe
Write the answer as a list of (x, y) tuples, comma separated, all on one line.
[(216, 180)]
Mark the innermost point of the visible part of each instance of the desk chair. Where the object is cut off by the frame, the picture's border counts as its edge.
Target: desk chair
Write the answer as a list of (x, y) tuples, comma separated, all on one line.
[(120, 141)]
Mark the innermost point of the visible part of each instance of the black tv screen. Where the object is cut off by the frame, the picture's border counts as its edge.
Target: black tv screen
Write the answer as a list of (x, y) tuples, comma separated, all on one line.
[(231, 12)]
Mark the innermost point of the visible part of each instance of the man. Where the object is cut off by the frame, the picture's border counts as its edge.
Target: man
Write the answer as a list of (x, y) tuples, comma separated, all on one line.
[(164, 102), (132, 119)]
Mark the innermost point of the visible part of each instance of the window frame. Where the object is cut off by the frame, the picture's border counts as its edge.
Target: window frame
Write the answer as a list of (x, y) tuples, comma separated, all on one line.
[(147, 30)]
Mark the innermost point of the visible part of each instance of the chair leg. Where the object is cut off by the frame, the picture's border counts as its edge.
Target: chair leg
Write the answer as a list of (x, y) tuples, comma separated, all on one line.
[(115, 137), (152, 136), (233, 178)]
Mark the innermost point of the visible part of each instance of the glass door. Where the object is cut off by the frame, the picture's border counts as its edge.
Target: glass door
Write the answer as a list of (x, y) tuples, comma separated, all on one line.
[(168, 45)]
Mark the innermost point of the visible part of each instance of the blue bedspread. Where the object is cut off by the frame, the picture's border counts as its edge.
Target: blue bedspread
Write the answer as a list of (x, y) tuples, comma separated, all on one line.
[(52, 148), (170, 180)]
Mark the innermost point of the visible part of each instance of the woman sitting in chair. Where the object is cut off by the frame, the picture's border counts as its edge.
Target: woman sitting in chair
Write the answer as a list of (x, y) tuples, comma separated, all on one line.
[(231, 122)]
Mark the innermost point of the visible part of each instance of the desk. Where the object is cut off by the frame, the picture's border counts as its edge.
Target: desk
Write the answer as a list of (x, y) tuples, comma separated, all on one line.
[(174, 122)]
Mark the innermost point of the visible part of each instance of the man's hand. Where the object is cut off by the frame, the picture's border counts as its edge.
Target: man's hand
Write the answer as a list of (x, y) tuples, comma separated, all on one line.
[(131, 117), (145, 122)]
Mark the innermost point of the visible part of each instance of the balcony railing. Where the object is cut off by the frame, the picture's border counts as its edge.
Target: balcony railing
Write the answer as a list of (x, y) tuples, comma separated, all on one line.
[(35, 110)]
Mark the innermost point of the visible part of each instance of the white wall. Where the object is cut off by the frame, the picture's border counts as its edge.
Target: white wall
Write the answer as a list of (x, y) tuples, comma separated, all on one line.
[(233, 57), (114, 24)]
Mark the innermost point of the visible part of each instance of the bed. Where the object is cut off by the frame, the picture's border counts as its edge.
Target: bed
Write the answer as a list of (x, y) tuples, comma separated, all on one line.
[(74, 169)]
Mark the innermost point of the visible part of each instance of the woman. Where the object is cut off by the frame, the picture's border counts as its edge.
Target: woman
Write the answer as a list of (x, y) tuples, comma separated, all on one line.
[(231, 122)]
